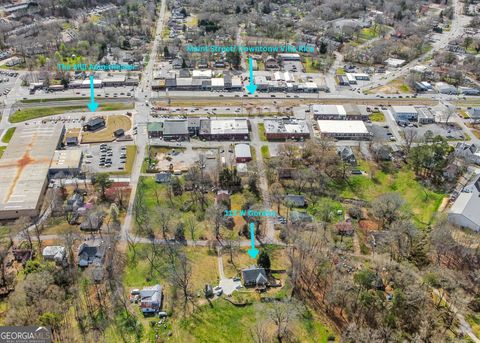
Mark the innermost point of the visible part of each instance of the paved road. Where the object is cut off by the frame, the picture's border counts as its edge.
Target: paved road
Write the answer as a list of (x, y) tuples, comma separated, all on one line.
[(141, 120)]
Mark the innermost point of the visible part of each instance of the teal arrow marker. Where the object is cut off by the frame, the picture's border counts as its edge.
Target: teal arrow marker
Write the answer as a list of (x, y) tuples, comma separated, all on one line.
[(92, 105), (252, 252), (252, 87)]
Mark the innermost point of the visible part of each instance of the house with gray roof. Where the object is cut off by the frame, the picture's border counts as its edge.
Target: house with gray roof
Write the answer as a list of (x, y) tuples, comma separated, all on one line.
[(151, 299), (91, 252), (255, 277), (465, 211)]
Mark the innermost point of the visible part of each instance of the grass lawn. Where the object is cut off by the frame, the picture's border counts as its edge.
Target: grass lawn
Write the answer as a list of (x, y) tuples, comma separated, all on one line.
[(222, 321), (422, 202), (2, 149), (265, 152), (106, 135), (397, 86), (30, 101), (340, 71), (310, 66), (40, 112), (8, 135), (377, 116), (261, 132)]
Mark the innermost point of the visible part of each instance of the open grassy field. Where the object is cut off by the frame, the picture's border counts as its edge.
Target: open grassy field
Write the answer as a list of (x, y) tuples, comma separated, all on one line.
[(106, 135), (397, 86), (40, 112), (222, 321), (8, 135), (2, 149), (422, 202), (31, 101)]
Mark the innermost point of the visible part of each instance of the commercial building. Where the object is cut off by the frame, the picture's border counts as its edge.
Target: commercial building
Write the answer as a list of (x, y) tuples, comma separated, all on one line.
[(242, 153), (66, 162), (175, 129), (155, 129), (94, 124), (282, 129), (425, 116), (339, 112), (24, 169), (342, 129), (405, 113), (465, 210), (224, 129), (395, 62)]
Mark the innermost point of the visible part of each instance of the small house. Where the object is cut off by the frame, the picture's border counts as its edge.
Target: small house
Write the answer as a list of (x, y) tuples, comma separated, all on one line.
[(91, 252), (242, 153), (300, 217), (347, 155), (163, 177), (93, 222), (295, 200), (255, 277), (151, 299), (54, 253)]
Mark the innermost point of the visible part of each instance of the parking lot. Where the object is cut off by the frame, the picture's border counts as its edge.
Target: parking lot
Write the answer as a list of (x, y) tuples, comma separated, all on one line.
[(450, 131), (105, 158), (381, 132)]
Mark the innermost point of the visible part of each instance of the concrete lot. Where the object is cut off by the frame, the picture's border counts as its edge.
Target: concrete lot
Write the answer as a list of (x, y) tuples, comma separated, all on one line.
[(451, 132)]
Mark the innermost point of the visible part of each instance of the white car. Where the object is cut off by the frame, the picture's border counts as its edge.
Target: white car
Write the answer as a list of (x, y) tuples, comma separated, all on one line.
[(218, 291)]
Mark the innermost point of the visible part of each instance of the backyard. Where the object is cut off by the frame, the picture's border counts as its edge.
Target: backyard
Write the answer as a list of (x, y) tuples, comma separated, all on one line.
[(422, 202)]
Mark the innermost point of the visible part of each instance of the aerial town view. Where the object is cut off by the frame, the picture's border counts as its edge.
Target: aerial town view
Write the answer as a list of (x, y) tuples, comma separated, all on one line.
[(240, 171)]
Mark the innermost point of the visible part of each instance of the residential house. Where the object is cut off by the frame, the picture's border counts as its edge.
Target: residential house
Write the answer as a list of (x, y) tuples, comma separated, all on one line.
[(347, 155), (163, 177), (255, 277), (151, 299), (91, 252), (300, 217), (294, 200), (469, 152), (54, 253), (93, 221)]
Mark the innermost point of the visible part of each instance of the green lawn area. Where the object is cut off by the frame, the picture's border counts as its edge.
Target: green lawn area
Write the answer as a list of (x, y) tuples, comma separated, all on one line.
[(40, 112), (30, 101), (340, 71), (368, 33), (377, 116), (182, 206), (422, 202), (222, 321), (261, 132), (8, 135), (265, 152), (2, 149)]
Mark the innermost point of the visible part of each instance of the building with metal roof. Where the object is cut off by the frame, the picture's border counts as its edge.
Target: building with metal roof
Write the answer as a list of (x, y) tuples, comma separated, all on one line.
[(344, 129), (24, 169), (242, 153), (465, 210), (224, 129), (282, 129), (67, 162)]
